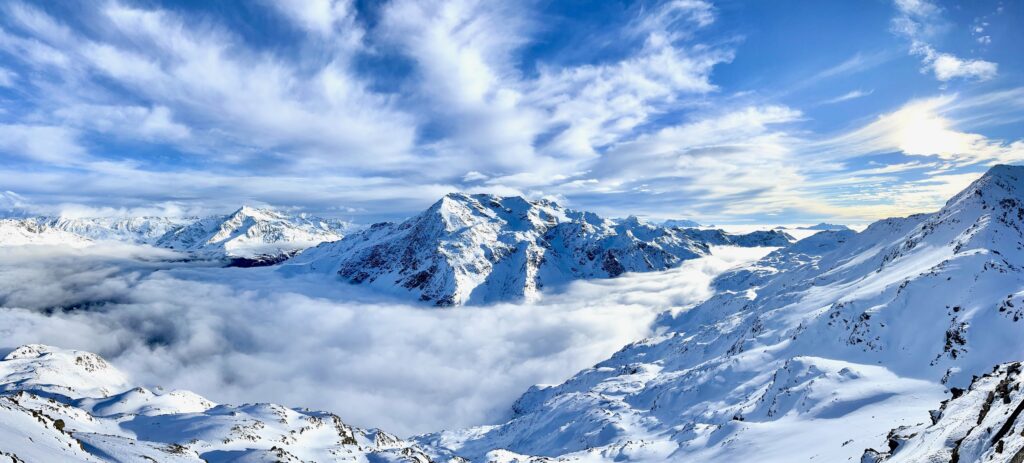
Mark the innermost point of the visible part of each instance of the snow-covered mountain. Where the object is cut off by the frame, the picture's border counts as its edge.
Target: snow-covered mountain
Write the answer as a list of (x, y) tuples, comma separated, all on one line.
[(13, 205), (484, 248), (758, 238), (66, 405), (250, 234), (980, 424), (841, 342), (826, 226), (680, 223), (139, 230), (813, 354), (17, 232)]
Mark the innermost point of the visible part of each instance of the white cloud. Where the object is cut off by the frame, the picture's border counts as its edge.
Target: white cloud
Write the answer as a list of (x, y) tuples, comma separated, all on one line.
[(919, 21), (947, 67), (922, 128), (50, 144), (328, 18), (236, 336), (7, 77), (921, 8), (314, 126), (248, 102), (720, 166), (851, 95), (465, 54), (474, 176), (133, 121), (859, 62)]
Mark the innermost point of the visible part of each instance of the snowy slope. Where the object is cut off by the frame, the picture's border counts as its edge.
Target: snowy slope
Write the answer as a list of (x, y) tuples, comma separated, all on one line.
[(814, 354), (483, 248), (65, 405), (139, 230), (65, 230), (18, 232), (252, 233), (983, 423)]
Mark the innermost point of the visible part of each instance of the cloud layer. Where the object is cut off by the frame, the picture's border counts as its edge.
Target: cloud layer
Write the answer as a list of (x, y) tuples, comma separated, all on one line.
[(375, 110), (224, 334)]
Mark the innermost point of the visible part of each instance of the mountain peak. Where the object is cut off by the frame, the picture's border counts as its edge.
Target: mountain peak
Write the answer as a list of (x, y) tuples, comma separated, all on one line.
[(251, 232), (255, 212), (1001, 180), (823, 226), (483, 248), (40, 367), (1003, 176), (1005, 170)]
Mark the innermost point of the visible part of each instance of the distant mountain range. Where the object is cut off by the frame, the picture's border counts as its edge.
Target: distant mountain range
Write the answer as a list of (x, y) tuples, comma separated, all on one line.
[(248, 236), (251, 236), (826, 226), (463, 249), (484, 248), (900, 343), (680, 223)]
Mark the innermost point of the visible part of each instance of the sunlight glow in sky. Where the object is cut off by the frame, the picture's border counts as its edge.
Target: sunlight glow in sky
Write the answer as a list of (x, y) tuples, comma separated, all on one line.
[(718, 111)]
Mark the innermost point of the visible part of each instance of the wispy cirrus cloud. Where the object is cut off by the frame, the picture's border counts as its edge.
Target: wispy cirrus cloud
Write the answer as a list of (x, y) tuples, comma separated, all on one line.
[(924, 128), (851, 95)]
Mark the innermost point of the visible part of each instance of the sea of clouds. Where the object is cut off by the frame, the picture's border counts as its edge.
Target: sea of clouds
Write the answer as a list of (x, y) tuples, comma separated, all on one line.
[(251, 335)]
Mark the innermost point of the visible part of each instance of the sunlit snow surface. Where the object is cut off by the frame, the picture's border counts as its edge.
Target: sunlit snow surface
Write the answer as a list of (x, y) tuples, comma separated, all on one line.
[(247, 335)]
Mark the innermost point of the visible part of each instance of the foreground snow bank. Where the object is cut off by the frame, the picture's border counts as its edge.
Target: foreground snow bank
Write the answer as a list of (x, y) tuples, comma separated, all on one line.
[(67, 405)]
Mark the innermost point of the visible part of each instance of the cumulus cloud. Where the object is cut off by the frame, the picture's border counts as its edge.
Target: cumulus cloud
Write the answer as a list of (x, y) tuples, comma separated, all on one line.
[(919, 20), (244, 335)]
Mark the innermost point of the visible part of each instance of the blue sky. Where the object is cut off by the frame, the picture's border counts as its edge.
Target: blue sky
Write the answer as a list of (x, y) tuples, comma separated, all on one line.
[(724, 112)]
